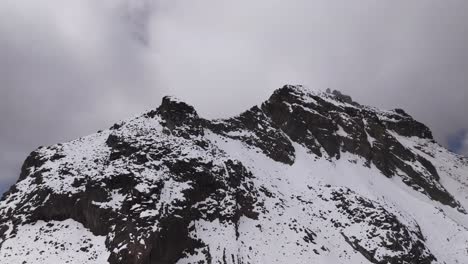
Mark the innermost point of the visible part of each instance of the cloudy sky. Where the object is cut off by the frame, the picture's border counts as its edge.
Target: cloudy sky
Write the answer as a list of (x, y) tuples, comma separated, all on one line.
[(70, 68)]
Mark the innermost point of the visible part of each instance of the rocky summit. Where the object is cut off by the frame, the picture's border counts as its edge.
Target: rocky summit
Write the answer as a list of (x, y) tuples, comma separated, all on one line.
[(304, 177)]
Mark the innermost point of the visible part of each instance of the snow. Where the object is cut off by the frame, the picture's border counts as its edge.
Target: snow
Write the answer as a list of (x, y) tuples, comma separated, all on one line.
[(341, 132), (115, 202), (298, 217), (446, 231), (54, 242)]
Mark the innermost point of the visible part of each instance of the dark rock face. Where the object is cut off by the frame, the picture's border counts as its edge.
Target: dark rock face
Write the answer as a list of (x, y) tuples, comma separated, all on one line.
[(179, 118), (298, 119), (142, 183), (320, 124), (381, 226), (33, 160), (212, 189), (207, 182), (256, 129), (343, 98)]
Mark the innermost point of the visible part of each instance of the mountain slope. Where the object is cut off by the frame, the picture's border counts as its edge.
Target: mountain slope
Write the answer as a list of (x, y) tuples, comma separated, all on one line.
[(304, 177)]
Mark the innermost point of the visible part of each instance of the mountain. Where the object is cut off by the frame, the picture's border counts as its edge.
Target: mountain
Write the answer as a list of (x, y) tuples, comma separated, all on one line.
[(304, 177)]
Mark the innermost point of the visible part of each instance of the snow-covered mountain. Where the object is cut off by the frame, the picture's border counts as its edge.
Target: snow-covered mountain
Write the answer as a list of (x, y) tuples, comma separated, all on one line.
[(305, 177)]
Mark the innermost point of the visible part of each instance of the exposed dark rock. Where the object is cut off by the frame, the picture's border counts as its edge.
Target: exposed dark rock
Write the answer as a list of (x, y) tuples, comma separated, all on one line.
[(321, 125), (342, 97), (407, 246), (179, 118), (144, 185), (256, 129), (34, 160)]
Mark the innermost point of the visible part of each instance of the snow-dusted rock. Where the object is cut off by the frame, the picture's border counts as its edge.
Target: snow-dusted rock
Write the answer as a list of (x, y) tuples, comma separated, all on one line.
[(305, 177)]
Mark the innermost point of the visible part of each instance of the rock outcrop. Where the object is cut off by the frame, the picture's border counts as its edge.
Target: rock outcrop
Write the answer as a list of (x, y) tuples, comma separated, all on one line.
[(304, 176)]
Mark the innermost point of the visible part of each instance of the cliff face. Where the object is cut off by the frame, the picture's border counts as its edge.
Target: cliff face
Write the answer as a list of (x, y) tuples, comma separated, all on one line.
[(304, 177)]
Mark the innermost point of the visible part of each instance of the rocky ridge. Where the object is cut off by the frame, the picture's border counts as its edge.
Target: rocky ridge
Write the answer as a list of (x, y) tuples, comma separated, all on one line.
[(304, 176)]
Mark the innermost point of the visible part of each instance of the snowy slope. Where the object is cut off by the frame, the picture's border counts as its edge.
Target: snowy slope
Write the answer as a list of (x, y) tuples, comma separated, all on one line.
[(305, 177), (54, 242)]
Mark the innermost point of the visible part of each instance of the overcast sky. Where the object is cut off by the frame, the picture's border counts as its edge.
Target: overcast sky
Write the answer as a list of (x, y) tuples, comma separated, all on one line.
[(70, 68)]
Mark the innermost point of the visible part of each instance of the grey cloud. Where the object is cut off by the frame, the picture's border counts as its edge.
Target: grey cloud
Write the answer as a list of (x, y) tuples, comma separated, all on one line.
[(389, 54), (464, 148), (68, 69)]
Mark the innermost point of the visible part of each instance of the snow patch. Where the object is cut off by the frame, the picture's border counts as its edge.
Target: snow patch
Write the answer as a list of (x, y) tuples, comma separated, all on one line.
[(54, 242)]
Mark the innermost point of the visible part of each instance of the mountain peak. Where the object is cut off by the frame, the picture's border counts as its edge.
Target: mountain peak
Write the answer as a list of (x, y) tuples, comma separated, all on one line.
[(174, 109), (305, 176), (178, 117)]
